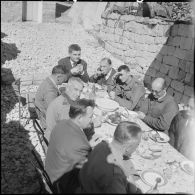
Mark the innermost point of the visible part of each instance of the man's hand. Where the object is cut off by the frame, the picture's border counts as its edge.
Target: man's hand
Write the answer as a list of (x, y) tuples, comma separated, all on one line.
[(141, 115), (112, 95), (77, 69), (115, 75), (80, 164), (97, 121), (97, 73)]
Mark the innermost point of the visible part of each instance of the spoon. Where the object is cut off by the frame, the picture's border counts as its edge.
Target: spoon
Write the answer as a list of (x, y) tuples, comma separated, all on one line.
[(154, 188), (159, 136)]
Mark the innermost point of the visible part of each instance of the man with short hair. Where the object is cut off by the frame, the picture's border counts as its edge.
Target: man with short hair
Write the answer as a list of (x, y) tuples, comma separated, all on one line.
[(48, 91), (105, 171), (104, 73), (60, 106), (126, 89), (159, 108), (182, 131), (74, 64), (69, 146)]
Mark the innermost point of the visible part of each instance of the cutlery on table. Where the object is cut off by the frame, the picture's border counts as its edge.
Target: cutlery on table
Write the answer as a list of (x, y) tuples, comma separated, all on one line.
[(154, 188), (159, 136)]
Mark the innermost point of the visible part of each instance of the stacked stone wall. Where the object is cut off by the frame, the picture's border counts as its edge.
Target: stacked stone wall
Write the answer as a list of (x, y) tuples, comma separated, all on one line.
[(153, 48)]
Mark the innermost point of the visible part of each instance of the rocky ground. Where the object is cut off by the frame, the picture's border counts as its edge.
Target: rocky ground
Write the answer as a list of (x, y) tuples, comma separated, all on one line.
[(31, 48)]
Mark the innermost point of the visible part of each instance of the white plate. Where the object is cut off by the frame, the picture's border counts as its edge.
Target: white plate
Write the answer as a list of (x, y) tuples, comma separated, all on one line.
[(164, 136), (185, 164), (149, 177), (106, 104)]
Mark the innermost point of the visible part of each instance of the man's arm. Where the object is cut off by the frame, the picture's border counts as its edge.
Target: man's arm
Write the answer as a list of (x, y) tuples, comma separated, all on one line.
[(84, 75), (135, 95), (162, 122), (50, 95)]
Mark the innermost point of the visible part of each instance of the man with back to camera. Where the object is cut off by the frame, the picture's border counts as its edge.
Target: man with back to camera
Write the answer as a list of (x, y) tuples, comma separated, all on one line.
[(104, 74), (48, 91), (69, 146), (182, 131), (74, 64), (159, 108), (126, 89), (104, 172)]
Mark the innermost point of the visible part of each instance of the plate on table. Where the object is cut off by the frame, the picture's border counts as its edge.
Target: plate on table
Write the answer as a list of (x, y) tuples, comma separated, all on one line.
[(115, 118), (159, 137), (149, 177), (106, 104), (188, 167)]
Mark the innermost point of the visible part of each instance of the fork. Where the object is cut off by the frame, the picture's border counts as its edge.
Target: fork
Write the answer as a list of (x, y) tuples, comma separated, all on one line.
[(159, 136)]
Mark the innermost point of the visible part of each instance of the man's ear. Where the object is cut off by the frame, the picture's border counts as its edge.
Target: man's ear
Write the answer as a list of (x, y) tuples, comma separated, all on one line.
[(79, 118)]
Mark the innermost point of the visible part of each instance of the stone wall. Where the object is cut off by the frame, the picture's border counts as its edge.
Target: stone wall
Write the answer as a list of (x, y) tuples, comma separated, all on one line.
[(153, 48)]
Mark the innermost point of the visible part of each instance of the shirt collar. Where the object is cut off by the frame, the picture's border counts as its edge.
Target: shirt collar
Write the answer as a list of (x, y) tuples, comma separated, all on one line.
[(72, 63), (109, 73), (75, 125), (53, 82)]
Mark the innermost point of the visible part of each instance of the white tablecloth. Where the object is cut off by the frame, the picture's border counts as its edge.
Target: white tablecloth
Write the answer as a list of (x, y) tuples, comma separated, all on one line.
[(179, 182)]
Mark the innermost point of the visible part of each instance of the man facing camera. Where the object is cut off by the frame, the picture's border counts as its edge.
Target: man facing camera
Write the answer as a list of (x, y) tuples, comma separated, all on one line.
[(126, 89), (159, 108), (74, 64), (59, 107), (48, 91), (104, 73)]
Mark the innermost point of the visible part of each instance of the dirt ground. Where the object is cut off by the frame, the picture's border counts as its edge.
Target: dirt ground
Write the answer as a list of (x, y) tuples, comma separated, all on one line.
[(30, 48)]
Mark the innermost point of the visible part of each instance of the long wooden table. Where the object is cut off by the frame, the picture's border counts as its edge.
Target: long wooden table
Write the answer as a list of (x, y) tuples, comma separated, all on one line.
[(179, 181)]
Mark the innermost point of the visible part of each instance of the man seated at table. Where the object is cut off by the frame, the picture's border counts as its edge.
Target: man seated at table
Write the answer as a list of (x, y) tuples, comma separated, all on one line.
[(182, 131), (104, 73), (69, 146), (159, 108), (105, 172), (59, 107), (126, 89), (48, 91), (74, 64)]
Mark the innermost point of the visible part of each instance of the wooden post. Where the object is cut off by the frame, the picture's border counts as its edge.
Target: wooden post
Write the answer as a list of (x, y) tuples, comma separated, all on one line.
[(32, 11)]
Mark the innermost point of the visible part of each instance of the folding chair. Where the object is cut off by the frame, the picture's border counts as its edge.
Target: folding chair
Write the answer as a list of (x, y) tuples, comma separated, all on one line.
[(34, 116), (46, 180)]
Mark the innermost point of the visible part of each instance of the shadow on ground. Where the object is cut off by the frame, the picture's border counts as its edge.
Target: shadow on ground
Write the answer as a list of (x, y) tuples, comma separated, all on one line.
[(17, 173)]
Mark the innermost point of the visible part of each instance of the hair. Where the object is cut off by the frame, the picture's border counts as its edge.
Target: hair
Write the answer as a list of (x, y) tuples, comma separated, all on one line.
[(80, 108), (59, 70), (125, 131), (72, 79), (123, 67), (108, 60), (74, 47)]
